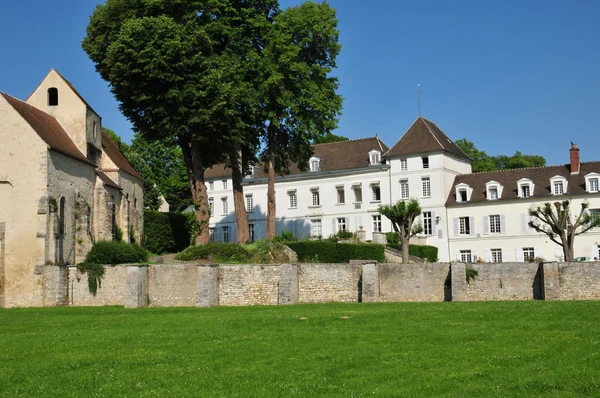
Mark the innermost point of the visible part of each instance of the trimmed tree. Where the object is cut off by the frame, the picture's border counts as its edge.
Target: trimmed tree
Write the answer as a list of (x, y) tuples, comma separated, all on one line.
[(403, 215), (556, 221)]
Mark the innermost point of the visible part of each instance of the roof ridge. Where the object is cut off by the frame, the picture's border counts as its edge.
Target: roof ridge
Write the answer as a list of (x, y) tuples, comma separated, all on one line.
[(349, 140), (402, 136), (29, 105), (431, 132)]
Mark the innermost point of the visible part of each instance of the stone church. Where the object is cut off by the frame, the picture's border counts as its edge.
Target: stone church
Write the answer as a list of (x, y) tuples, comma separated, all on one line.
[(64, 184)]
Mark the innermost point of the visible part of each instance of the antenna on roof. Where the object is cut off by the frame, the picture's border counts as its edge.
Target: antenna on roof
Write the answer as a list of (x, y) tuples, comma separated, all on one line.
[(419, 98)]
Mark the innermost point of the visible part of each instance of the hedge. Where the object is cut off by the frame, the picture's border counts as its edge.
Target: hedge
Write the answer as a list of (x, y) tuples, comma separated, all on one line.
[(422, 251), (330, 252), (166, 232), (392, 238), (220, 252), (112, 252)]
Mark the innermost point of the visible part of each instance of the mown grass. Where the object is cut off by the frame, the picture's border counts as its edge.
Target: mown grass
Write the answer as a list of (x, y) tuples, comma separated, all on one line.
[(405, 349)]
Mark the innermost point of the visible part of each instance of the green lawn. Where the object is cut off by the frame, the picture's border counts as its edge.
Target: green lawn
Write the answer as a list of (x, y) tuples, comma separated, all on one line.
[(406, 349)]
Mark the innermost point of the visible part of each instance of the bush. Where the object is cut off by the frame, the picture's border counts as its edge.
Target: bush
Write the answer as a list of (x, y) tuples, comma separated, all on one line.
[(345, 235), (220, 252), (107, 252), (285, 236), (392, 238), (267, 251), (168, 232), (330, 252), (422, 251), (182, 230)]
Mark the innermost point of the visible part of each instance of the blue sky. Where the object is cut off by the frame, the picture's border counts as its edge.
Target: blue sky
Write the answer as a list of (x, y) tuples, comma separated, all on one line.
[(507, 75)]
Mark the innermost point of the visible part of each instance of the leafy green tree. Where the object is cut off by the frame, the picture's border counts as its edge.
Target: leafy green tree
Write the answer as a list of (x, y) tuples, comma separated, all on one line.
[(298, 94), (329, 138), (182, 72), (556, 221), (403, 215), (483, 162)]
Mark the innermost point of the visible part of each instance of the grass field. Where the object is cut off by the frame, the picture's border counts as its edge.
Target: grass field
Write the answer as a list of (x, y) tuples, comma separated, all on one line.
[(348, 350)]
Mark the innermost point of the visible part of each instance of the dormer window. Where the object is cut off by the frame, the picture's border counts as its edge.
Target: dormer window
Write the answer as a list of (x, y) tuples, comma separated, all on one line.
[(315, 164), (493, 190), (52, 96), (251, 173), (558, 185), (525, 188), (374, 157), (463, 192), (592, 182)]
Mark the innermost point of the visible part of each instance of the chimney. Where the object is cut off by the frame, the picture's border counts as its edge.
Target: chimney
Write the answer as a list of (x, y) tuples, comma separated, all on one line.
[(574, 151)]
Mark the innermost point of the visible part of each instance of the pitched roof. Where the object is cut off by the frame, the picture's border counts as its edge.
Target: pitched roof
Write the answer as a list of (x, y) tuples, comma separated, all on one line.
[(48, 128), (334, 156), (107, 181), (114, 153), (422, 137), (540, 176)]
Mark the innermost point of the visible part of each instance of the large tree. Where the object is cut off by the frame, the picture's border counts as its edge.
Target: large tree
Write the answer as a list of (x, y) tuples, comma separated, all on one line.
[(182, 72), (298, 95), (403, 215), (560, 225), (484, 162)]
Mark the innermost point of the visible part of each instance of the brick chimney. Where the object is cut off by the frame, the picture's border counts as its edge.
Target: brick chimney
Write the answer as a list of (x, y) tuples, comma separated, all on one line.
[(574, 151)]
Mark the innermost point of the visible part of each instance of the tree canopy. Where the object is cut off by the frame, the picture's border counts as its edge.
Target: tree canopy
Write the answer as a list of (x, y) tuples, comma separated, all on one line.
[(484, 162), (403, 215)]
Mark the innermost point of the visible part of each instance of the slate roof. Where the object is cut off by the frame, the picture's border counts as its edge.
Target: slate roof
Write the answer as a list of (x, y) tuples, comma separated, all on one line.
[(540, 176), (111, 149), (422, 137), (48, 128), (335, 156)]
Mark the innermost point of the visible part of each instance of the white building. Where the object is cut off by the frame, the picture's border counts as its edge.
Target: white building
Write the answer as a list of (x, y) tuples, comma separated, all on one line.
[(347, 181)]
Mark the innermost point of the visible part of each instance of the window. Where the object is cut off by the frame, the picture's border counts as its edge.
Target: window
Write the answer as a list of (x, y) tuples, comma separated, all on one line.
[(426, 187), (211, 234), (558, 188), (427, 223), (249, 203), (315, 228), (341, 224), (375, 157), (465, 256), (528, 254), (403, 165), (251, 232), (592, 182), (465, 226), (493, 190), (593, 185), (211, 206), (463, 195), (293, 199), (496, 255), (425, 162), (52, 96), (314, 164), (493, 193), (525, 187), (224, 184), (341, 196), (495, 224), (94, 129), (404, 194), (225, 206), (525, 192), (376, 192), (211, 186), (225, 234), (377, 223), (357, 193), (315, 197)]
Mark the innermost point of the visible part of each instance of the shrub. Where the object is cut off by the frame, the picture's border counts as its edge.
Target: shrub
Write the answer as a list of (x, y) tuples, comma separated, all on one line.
[(266, 251), (392, 238), (345, 235), (285, 236), (424, 251), (330, 252), (182, 230), (220, 252), (168, 232), (107, 252)]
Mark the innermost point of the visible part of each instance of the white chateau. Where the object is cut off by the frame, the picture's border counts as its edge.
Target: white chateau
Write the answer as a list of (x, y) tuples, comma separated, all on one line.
[(466, 215)]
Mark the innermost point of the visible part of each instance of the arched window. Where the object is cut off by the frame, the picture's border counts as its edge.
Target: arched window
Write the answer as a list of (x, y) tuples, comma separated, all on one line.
[(52, 96), (61, 221)]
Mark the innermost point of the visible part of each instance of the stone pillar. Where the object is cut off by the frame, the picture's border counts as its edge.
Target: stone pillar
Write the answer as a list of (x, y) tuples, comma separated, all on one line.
[(379, 238), (551, 281), (55, 285), (370, 282), (136, 287), (362, 236), (458, 281), (208, 286), (288, 284)]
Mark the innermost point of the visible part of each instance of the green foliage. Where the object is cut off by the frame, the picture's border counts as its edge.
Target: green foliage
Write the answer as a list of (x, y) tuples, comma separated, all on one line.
[(329, 138), (219, 251), (110, 252), (132, 234), (168, 232), (403, 215), (344, 235), (330, 252), (95, 273), (118, 234), (470, 274), (424, 251), (483, 162), (392, 238), (268, 251), (285, 236)]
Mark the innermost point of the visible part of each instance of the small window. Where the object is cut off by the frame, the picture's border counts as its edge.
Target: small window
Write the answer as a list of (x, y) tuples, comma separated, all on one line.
[(225, 206), (425, 162), (211, 206), (465, 256), (293, 199), (426, 187), (463, 192), (528, 254), (375, 157), (493, 193), (427, 223), (496, 255), (376, 192), (211, 186), (249, 203), (404, 193), (52, 96), (225, 234), (315, 197), (495, 227), (315, 164), (593, 184), (357, 194), (525, 187), (316, 228), (463, 195), (341, 224), (224, 184), (341, 195), (558, 188), (525, 191), (493, 190), (465, 226), (377, 223), (403, 165)]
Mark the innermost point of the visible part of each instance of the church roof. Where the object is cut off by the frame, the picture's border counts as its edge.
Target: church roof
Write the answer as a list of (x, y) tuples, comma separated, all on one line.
[(422, 137), (48, 128), (107, 181), (111, 149)]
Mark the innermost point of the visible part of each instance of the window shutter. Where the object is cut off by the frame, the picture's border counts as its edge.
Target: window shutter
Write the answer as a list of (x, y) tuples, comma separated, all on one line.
[(488, 255), (456, 226), (433, 225), (457, 255), (503, 223), (519, 255), (486, 225), (440, 233), (524, 226), (537, 252), (348, 227), (474, 256), (334, 229), (472, 225), (504, 255)]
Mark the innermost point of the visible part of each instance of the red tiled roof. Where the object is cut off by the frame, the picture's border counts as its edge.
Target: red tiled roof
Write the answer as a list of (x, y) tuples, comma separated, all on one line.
[(422, 137), (114, 153), (48, 128), (107, 181)]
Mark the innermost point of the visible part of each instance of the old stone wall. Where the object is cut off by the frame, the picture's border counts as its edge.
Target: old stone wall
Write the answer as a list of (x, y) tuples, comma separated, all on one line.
[(248, 284), (111, 292), (172, 285), (575, 281), (412, 282), (321, 283), (503, 281), (132, 206)]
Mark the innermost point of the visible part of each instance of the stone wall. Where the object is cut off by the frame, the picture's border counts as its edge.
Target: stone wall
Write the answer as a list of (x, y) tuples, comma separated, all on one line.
[(248, 285), (111, 292), (504, 281), (321, 283), (412, 282), (172, 285), (575, 281)]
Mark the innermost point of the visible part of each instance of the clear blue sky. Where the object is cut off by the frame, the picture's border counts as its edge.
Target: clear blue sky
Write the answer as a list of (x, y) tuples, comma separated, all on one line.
[(507, 75)]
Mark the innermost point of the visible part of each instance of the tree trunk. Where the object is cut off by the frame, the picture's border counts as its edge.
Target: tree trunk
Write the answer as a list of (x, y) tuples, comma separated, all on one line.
[(241, 216), (193, 161), (405, 242), (271, 210)]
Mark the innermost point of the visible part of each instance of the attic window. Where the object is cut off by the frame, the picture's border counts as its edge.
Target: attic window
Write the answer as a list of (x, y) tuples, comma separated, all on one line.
[(52, 96), (314, 164), (463, 192), (591, 182), (493, 190), (425, 162), (525, 187), (374, 157), (558, 185)]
